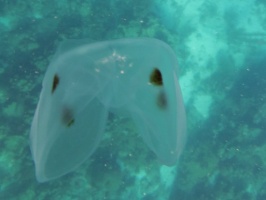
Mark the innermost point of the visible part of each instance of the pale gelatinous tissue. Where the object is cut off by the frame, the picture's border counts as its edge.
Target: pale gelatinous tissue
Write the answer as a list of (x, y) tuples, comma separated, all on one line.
[(85, 81)]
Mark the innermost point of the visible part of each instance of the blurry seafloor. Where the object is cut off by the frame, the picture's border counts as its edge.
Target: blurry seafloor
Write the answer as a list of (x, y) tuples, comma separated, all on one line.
[(221, 47)]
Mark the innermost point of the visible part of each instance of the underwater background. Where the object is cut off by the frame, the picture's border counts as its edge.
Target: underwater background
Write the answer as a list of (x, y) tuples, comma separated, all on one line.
[(221, 50)]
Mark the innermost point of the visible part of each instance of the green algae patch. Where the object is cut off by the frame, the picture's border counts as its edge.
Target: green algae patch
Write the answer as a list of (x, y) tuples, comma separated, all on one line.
[(13, 110), (5, 22), (25, 85), (3, 96)]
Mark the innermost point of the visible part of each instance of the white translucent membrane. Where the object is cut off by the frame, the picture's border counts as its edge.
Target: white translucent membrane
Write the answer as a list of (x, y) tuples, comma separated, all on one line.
[(86, 81)]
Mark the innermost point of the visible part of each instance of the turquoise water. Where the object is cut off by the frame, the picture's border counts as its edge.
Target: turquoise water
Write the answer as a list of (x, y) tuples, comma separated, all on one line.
[(221, 50)]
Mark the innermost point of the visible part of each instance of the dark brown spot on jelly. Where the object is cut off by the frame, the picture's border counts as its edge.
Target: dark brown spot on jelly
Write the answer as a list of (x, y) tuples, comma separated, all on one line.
[(156, 77), (70, 123), (67, 117), (55, 82), (162, 100)]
